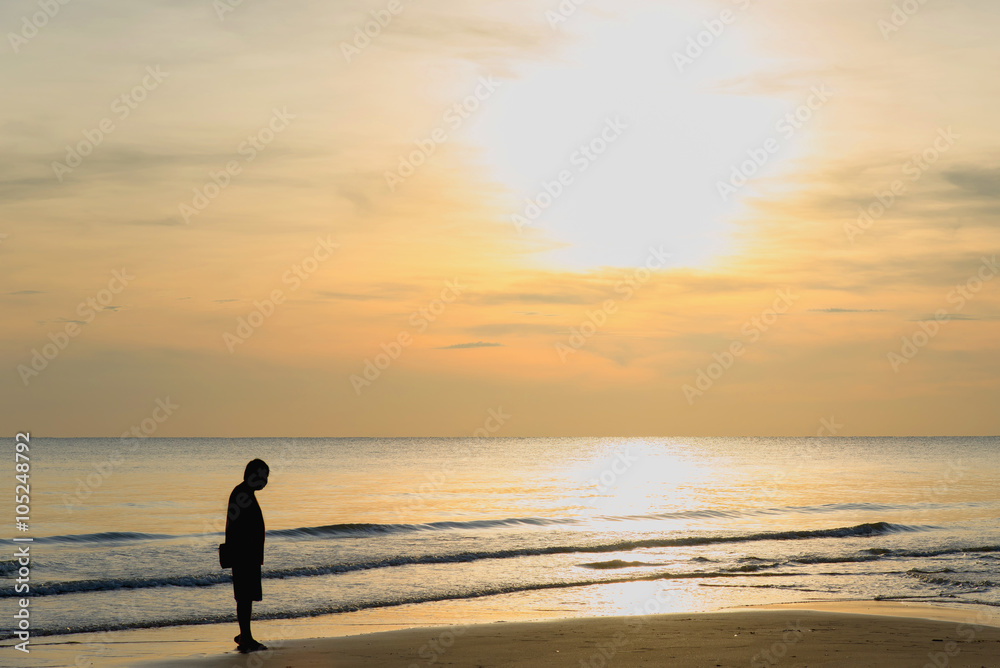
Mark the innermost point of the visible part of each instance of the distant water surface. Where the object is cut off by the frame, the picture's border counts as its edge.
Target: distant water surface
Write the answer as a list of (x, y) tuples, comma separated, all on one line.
[(126, 537)]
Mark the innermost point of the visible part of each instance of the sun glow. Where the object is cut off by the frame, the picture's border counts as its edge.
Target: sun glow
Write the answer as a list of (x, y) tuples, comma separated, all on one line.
[(639, 478), (638, 143)]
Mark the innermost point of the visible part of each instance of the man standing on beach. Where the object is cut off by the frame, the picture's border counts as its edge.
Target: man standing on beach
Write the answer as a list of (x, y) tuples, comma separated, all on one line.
[(245, 541)]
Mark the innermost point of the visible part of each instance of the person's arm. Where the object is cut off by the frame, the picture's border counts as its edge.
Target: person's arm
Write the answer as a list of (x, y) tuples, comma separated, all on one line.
[(238, 519), (255, 531)]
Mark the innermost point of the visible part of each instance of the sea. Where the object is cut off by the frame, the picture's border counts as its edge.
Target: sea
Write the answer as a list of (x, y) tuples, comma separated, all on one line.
[(125, 533)]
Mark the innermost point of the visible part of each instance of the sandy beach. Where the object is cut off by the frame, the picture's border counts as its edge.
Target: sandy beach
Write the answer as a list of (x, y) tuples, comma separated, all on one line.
[(781, 635)]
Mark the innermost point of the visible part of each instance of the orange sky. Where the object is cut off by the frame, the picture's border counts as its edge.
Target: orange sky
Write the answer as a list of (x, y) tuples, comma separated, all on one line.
[(633, 218)]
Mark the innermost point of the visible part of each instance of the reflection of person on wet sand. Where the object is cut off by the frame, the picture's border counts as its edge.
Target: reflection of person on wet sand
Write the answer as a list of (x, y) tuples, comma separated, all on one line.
[(245, 542)]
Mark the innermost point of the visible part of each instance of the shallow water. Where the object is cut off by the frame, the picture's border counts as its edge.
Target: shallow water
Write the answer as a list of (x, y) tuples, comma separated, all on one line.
[(125, 532)]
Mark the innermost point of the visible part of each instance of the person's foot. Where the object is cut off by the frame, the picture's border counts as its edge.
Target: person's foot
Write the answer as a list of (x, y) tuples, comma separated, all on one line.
[(250, 646), (236, 639)]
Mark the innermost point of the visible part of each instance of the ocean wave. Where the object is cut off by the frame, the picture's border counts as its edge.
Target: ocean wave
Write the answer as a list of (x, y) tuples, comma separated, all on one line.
[(616, 563), (934, 578), (750, 568), (878, 554), (848, 559), (336, 530), (388, 603), (9, 567), (943, 551), (709, 513), (104, 537), (361, 530), (211, 579), (326, 531)]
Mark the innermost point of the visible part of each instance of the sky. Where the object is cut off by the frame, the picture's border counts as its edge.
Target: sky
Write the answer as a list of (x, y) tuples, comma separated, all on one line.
[(506, 217)]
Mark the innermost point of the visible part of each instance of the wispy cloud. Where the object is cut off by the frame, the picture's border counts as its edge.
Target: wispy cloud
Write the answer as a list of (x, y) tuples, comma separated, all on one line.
[(954, 316), (981, 181), (566, 297), (477, 344), (168, 221), (848, 310), (385, 292)]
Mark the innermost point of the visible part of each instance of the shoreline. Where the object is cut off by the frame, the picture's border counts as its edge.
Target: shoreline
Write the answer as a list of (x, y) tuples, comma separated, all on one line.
[(793, 635), (905, 631)]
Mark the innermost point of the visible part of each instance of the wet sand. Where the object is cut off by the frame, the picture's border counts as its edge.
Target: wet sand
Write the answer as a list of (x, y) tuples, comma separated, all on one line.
[(779, 635)]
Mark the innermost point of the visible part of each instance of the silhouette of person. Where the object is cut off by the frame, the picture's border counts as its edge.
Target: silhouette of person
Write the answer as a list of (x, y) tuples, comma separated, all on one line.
[(245, 538)]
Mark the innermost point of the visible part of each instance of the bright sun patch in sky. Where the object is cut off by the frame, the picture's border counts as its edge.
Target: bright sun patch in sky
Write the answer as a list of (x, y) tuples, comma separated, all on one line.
[(638, 143)]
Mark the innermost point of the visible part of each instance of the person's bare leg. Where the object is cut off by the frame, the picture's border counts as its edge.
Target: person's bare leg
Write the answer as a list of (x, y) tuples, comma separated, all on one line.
[(243, 611)]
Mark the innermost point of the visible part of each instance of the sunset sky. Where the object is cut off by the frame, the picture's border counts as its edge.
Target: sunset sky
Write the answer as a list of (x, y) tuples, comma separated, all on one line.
[(222, 157)]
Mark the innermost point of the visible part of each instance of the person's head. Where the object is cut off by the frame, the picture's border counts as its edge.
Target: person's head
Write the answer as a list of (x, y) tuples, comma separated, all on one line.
[(255, 474)]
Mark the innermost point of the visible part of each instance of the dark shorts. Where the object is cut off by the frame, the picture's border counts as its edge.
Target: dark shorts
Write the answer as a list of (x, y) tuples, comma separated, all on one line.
[(246, 583)]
